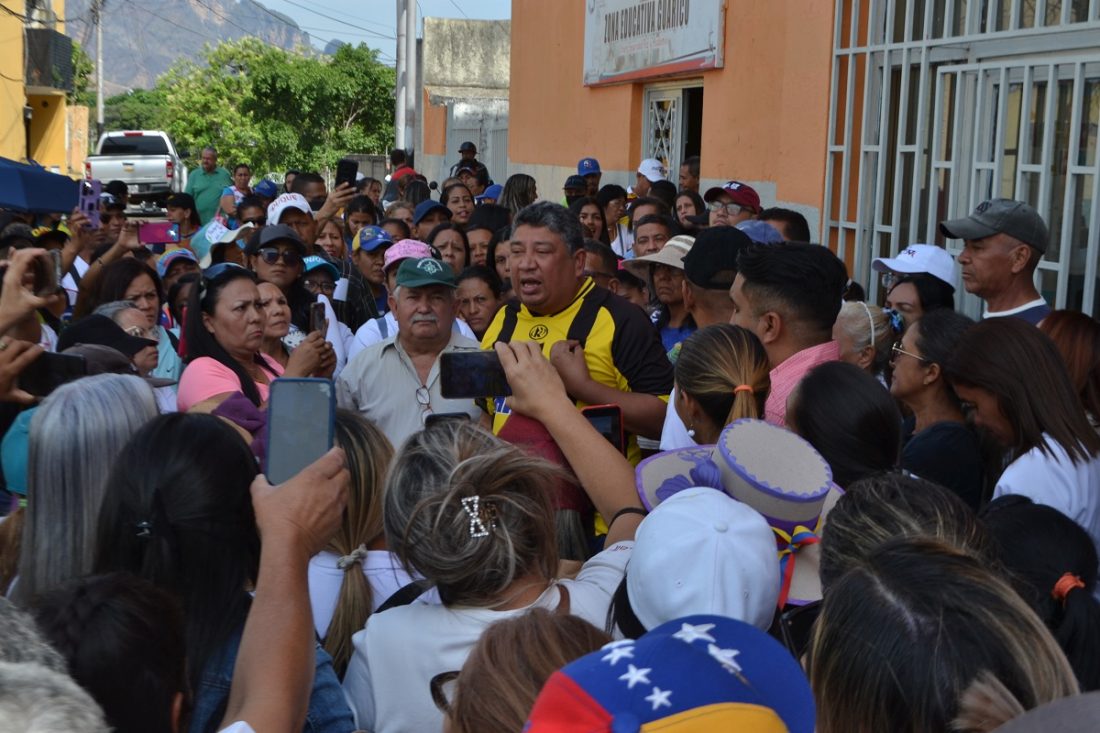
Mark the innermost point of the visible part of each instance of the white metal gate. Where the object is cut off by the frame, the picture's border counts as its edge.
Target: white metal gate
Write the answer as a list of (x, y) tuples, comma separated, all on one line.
[(663, 126), (940, 104)]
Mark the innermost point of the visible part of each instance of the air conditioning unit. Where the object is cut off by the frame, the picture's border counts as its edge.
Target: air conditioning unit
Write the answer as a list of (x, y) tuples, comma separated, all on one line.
[(49, 59)]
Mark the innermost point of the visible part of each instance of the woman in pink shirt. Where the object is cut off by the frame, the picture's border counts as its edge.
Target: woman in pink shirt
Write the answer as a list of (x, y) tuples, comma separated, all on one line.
[(223, 334)]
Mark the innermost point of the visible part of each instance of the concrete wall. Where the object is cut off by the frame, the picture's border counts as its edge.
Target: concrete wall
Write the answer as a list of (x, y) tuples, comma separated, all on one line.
[(765, 114)]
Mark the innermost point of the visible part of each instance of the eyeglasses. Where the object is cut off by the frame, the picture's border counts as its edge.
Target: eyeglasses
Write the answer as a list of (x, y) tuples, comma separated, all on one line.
[(270, 255), (324, 286), (424, 399), (897, 350), (731, 209), (596, 273), (152, 334)]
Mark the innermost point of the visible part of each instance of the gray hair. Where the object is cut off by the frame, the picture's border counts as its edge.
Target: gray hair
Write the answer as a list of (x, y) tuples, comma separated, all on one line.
[(433, 533), (21, 643), (74, 438), (36, 699), (554, 217), (211, 149), (114, 308)]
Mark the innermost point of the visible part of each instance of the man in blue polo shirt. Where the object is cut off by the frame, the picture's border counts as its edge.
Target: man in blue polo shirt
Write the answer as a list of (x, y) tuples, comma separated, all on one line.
[(206, 183)]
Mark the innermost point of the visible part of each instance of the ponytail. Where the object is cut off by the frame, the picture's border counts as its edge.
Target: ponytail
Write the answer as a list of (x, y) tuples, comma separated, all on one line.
[(725, 369)]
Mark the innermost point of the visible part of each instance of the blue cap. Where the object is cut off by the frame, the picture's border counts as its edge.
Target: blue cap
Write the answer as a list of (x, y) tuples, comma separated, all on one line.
[(15, 452), (426, 207), (370, 238), (266, 188), (492, 192), (164, 262), (313, 262), (760, 232), (588, 165)]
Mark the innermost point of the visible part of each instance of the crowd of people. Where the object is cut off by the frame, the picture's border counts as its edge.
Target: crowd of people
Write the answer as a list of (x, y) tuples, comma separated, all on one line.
[(811, 512)]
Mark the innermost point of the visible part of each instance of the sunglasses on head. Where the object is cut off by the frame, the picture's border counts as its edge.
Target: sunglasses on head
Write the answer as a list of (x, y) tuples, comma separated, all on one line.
[(270, 255)]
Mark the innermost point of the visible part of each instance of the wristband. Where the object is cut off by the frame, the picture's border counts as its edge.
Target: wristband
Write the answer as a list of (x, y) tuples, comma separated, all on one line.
[(627, 510)]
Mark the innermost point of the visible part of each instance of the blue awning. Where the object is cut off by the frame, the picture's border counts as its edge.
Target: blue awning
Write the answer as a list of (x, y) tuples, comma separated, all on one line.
[(26, 187)]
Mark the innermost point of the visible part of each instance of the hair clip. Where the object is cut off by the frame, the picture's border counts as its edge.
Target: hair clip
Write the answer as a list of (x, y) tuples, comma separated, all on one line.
[(144, 530), (480, 526), (356, 555)]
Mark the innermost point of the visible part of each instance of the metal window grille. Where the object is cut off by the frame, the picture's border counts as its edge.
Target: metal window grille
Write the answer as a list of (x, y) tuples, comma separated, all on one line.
[(940, 104)]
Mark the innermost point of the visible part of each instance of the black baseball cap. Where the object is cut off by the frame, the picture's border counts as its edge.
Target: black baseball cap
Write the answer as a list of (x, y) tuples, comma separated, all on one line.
[(181, 201), (467, 146), (715, 252), (272, 234)]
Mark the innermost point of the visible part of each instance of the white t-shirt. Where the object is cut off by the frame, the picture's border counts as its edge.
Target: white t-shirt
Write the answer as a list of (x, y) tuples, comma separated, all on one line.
[(674, 433), (1073, 489), (383, 571), (239, 727), (370, 334), (408, 646)]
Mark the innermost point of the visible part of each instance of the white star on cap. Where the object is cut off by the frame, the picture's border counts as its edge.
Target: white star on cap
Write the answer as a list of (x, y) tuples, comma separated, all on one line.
[(689, 633), (726, 657), (620, 652), (634, 675), (659, 697)]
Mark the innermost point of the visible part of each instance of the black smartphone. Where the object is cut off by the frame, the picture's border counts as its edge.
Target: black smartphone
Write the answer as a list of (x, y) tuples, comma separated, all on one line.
[(346, 170), (47, 273), (301, 423), (796, 626), (317, 320), (89, 201), (470, 374), (608, 421), (441, 417), (49, 371)]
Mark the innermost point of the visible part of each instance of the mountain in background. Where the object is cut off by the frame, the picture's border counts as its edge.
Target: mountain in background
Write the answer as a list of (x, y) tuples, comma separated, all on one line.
[(142, 38)]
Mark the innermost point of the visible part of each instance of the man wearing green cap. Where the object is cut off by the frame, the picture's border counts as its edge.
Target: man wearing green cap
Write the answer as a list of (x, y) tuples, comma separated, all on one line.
[(396, 383)]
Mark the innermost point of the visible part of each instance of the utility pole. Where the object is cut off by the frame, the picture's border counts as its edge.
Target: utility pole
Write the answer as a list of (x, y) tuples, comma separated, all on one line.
[(97, 18), (412, 89), (399, 106)]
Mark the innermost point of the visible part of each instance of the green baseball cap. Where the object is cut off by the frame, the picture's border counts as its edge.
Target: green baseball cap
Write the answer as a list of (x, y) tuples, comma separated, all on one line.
[(420, 273)]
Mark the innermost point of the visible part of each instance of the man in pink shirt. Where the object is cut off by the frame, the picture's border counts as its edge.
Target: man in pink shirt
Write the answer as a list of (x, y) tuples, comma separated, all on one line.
[(789, 295)]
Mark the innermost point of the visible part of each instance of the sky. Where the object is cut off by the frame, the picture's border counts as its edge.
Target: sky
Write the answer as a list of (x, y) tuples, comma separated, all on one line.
[(374, 21)]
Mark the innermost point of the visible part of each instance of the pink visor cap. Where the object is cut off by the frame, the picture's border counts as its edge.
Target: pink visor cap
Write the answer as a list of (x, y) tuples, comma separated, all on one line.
[(406, 249)]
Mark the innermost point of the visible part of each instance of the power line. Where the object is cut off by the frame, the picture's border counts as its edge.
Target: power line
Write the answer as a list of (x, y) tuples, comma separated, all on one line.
[(340, 20), (172, 22), (460, 10)]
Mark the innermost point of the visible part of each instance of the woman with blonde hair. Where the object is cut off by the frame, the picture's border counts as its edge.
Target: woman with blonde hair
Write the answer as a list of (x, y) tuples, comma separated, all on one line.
[(497, 687), (520, 191), (905, 635), (865, 332), (355, 574), (721, 376)]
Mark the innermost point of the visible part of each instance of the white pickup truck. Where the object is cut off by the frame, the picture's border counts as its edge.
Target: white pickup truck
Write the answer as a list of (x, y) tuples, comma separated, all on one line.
[(145, 159)]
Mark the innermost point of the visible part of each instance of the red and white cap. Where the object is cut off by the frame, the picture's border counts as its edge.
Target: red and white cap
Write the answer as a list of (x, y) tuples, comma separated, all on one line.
[(739, 193), (921, 259)]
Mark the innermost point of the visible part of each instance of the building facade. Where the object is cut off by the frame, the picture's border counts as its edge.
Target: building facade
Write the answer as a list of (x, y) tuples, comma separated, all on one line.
[(36, 123), (874, 118)]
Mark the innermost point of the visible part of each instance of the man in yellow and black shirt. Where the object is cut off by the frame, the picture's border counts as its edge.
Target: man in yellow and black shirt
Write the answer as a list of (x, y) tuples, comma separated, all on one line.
[(604, 347)]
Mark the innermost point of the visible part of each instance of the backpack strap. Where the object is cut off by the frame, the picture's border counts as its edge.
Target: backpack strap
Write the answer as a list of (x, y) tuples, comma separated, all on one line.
[(405, 595), (383, 328)]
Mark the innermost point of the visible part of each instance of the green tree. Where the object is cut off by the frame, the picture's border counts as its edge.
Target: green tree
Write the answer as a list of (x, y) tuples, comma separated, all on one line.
[(276, 109), (83, 93), (137, 109)]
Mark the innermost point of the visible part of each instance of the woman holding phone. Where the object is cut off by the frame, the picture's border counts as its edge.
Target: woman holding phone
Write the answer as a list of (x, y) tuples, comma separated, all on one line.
[(224, 334)]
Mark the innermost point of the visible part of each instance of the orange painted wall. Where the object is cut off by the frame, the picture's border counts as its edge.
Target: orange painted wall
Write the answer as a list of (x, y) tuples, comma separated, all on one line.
[(434, 126), (765, 114)]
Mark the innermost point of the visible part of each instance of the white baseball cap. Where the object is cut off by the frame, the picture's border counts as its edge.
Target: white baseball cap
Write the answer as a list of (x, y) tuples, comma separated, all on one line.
[(287, 201), (920, 258), (702, 551), (653, 169)]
